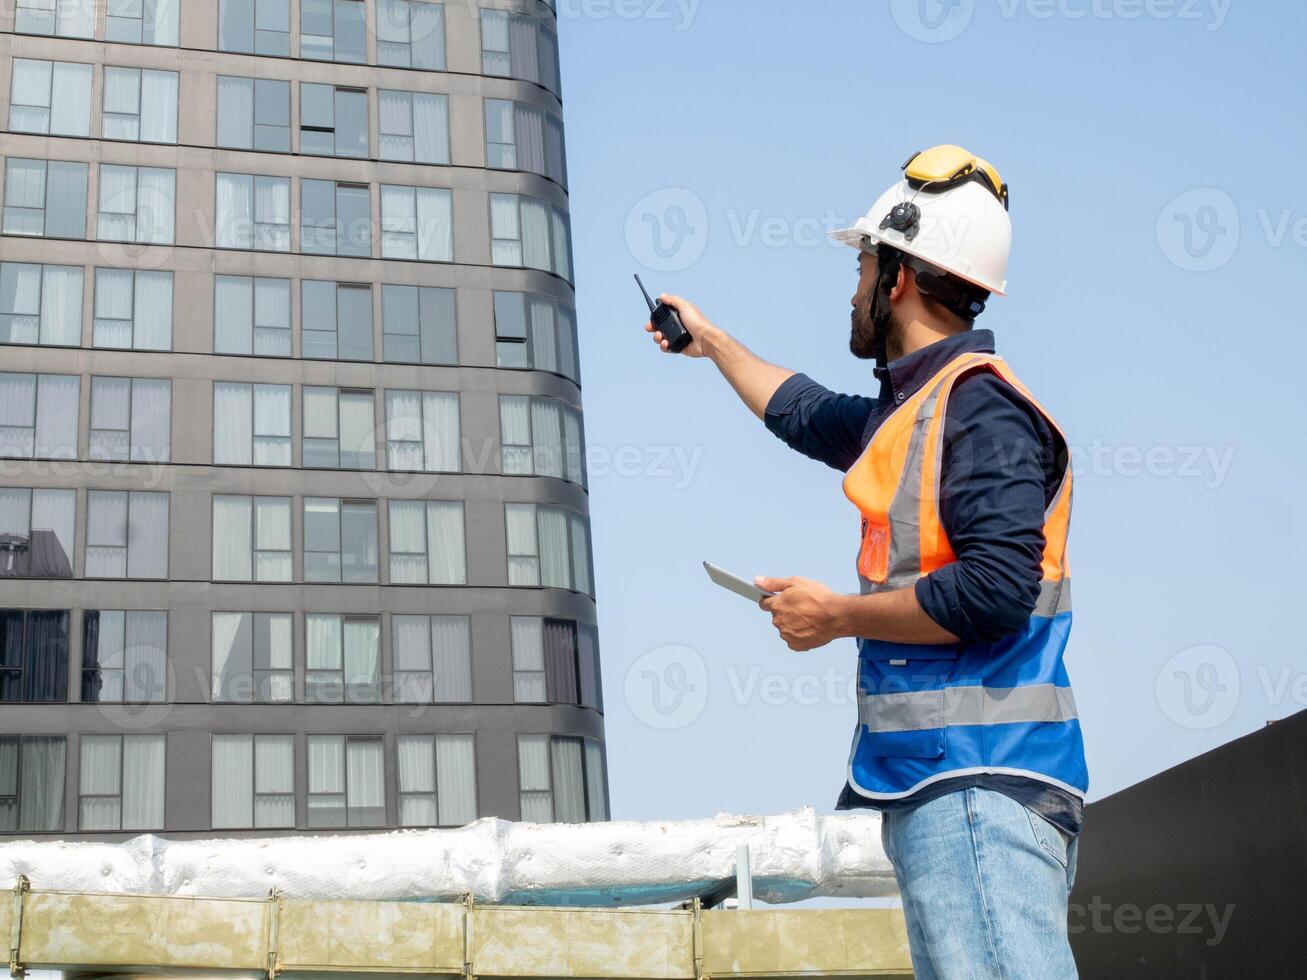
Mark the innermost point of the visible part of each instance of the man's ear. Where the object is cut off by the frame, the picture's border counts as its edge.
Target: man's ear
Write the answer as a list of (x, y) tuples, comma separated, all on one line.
[(901, 284)]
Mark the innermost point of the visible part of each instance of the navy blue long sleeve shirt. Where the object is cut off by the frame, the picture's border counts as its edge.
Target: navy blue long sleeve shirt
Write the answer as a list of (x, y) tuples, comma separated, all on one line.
[(1001, 466)]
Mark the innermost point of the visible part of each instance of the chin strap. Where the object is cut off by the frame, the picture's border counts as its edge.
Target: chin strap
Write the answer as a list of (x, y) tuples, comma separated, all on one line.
[(889, 261)]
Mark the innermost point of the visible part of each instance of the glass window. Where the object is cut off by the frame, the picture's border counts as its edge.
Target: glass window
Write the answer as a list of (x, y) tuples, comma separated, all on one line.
[(251, 424), (419, 325), (254, 114), (131, 419), (253, 781), (124, 655), (519, 46), (340, 540), (254, 26), (541, 436), (411, 34), (422, 431), (142, 21), (333, 30), (548, 546), (427, 542), (32, 783), (33, 655), (136, 204), (252, 657), (343, 659), (133, 309), (36, 532), (524, 137), (64, 18), (333, 121), (40, 304), (437, 780), (122, 782), (417, 223), (336, 219), (140, 105), (45, 198), (251, 316), (561, 779), (433, 659), (531, 233), (335, 320), (413, 126), (535, 331), (251, 539), (252, 212), (339, 432), (555, 661), (126, 534), (50, 97), (38, 415), (346, 781)]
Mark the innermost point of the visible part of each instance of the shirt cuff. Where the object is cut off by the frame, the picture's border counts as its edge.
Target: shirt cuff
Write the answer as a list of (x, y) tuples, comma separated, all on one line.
[(784, 400)]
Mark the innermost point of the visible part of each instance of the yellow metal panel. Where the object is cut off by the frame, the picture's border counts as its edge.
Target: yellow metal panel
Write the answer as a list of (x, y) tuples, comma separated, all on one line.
[(140, 931), (402, 936), (805, 942), (614, 944)]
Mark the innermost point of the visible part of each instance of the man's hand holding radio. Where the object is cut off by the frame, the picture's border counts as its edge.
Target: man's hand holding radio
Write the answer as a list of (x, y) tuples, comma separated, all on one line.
[(695, 322)]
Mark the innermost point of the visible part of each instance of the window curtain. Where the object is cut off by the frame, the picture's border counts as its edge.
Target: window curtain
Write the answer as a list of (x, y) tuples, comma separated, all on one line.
[(56, 416), (447, 551), (505, 230), (394, 116), (117, 219), (411, 639), (574, 446), (560, 661), (456, 785), (232, 668), (528, 659), (53, 511), (588, 666), (274, 781), (595, 791), (522, 46), (427, 30), (399, 228), (233, 217), (365, 785), (20, 304), (581, 553), (147, 527), (70, 100), (326, 764), (156, 204), (515, 433), (151, 420), (547, 435), (111, 400), (17, 414), (61, 308), (145, 658), (272, 539), (562, 241), (153, 311), (272, 425), (555, 567), (441, 437), (358, 434), (404, 430), (567, 343), (529, 131), (523, 561), (100, 769), (41, 794), (30, 109), (159, 106), (106, 534), (430, 128), (569, 781), (451, 658), (533, 778), (233, 420), (555, 155), (535, 234), (235, 112), (232, 532), (435, 224), (544, 345), (494, 41), (143, 782), (408, 559), (45, 659), (233, 304), (362, 660), (122, 105), (272, 213), (323, 642), (233, 781), (417, 781), (112, 324), (272, 315)]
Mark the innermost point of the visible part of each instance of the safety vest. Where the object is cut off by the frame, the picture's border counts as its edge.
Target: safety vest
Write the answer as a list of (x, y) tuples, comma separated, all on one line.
[(927, 713)]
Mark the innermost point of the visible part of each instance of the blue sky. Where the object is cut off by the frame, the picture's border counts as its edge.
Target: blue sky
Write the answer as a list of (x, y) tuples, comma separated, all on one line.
[(1154, 150)]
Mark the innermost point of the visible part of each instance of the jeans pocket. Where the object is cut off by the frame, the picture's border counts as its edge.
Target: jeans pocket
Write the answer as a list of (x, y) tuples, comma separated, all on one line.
[(1048, 837)]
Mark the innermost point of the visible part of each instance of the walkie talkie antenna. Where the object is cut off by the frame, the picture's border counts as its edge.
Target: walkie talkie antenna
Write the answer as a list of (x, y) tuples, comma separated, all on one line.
[(652, 304)]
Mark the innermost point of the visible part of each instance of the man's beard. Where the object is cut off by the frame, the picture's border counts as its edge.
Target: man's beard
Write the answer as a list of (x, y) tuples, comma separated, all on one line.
[(862, 333)]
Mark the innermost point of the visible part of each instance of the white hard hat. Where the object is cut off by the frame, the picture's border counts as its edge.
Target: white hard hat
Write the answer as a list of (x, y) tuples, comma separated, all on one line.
[(962, 229)]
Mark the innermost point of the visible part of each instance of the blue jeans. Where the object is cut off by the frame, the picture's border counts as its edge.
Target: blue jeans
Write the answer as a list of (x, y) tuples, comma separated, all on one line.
[(985, 883)]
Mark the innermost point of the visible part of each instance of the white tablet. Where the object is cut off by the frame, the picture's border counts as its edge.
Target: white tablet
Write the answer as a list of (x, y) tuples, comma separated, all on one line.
[(735, 584)]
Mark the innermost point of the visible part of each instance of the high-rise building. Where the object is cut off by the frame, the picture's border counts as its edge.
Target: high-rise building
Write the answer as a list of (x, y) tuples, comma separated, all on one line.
[(293, 508)]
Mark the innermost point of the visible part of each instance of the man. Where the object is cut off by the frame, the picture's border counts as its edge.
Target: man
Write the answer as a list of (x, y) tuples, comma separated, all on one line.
[(967, 740)]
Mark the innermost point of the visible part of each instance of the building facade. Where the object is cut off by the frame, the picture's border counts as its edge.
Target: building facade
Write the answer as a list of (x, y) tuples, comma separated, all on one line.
[(293, 508)]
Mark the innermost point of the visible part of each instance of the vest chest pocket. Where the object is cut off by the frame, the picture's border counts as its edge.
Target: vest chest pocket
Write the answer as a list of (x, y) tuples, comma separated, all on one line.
[(902, 704), (873, 555)]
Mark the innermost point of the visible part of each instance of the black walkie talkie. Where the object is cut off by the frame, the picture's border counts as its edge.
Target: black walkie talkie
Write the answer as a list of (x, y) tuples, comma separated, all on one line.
[(667, 322)]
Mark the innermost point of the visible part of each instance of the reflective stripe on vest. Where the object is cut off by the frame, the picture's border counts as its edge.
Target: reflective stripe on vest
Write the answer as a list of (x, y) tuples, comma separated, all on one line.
[(928, 712)]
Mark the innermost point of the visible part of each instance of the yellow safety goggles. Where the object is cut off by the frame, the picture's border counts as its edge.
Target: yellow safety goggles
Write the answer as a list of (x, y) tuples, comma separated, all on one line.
[(942, 167)]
